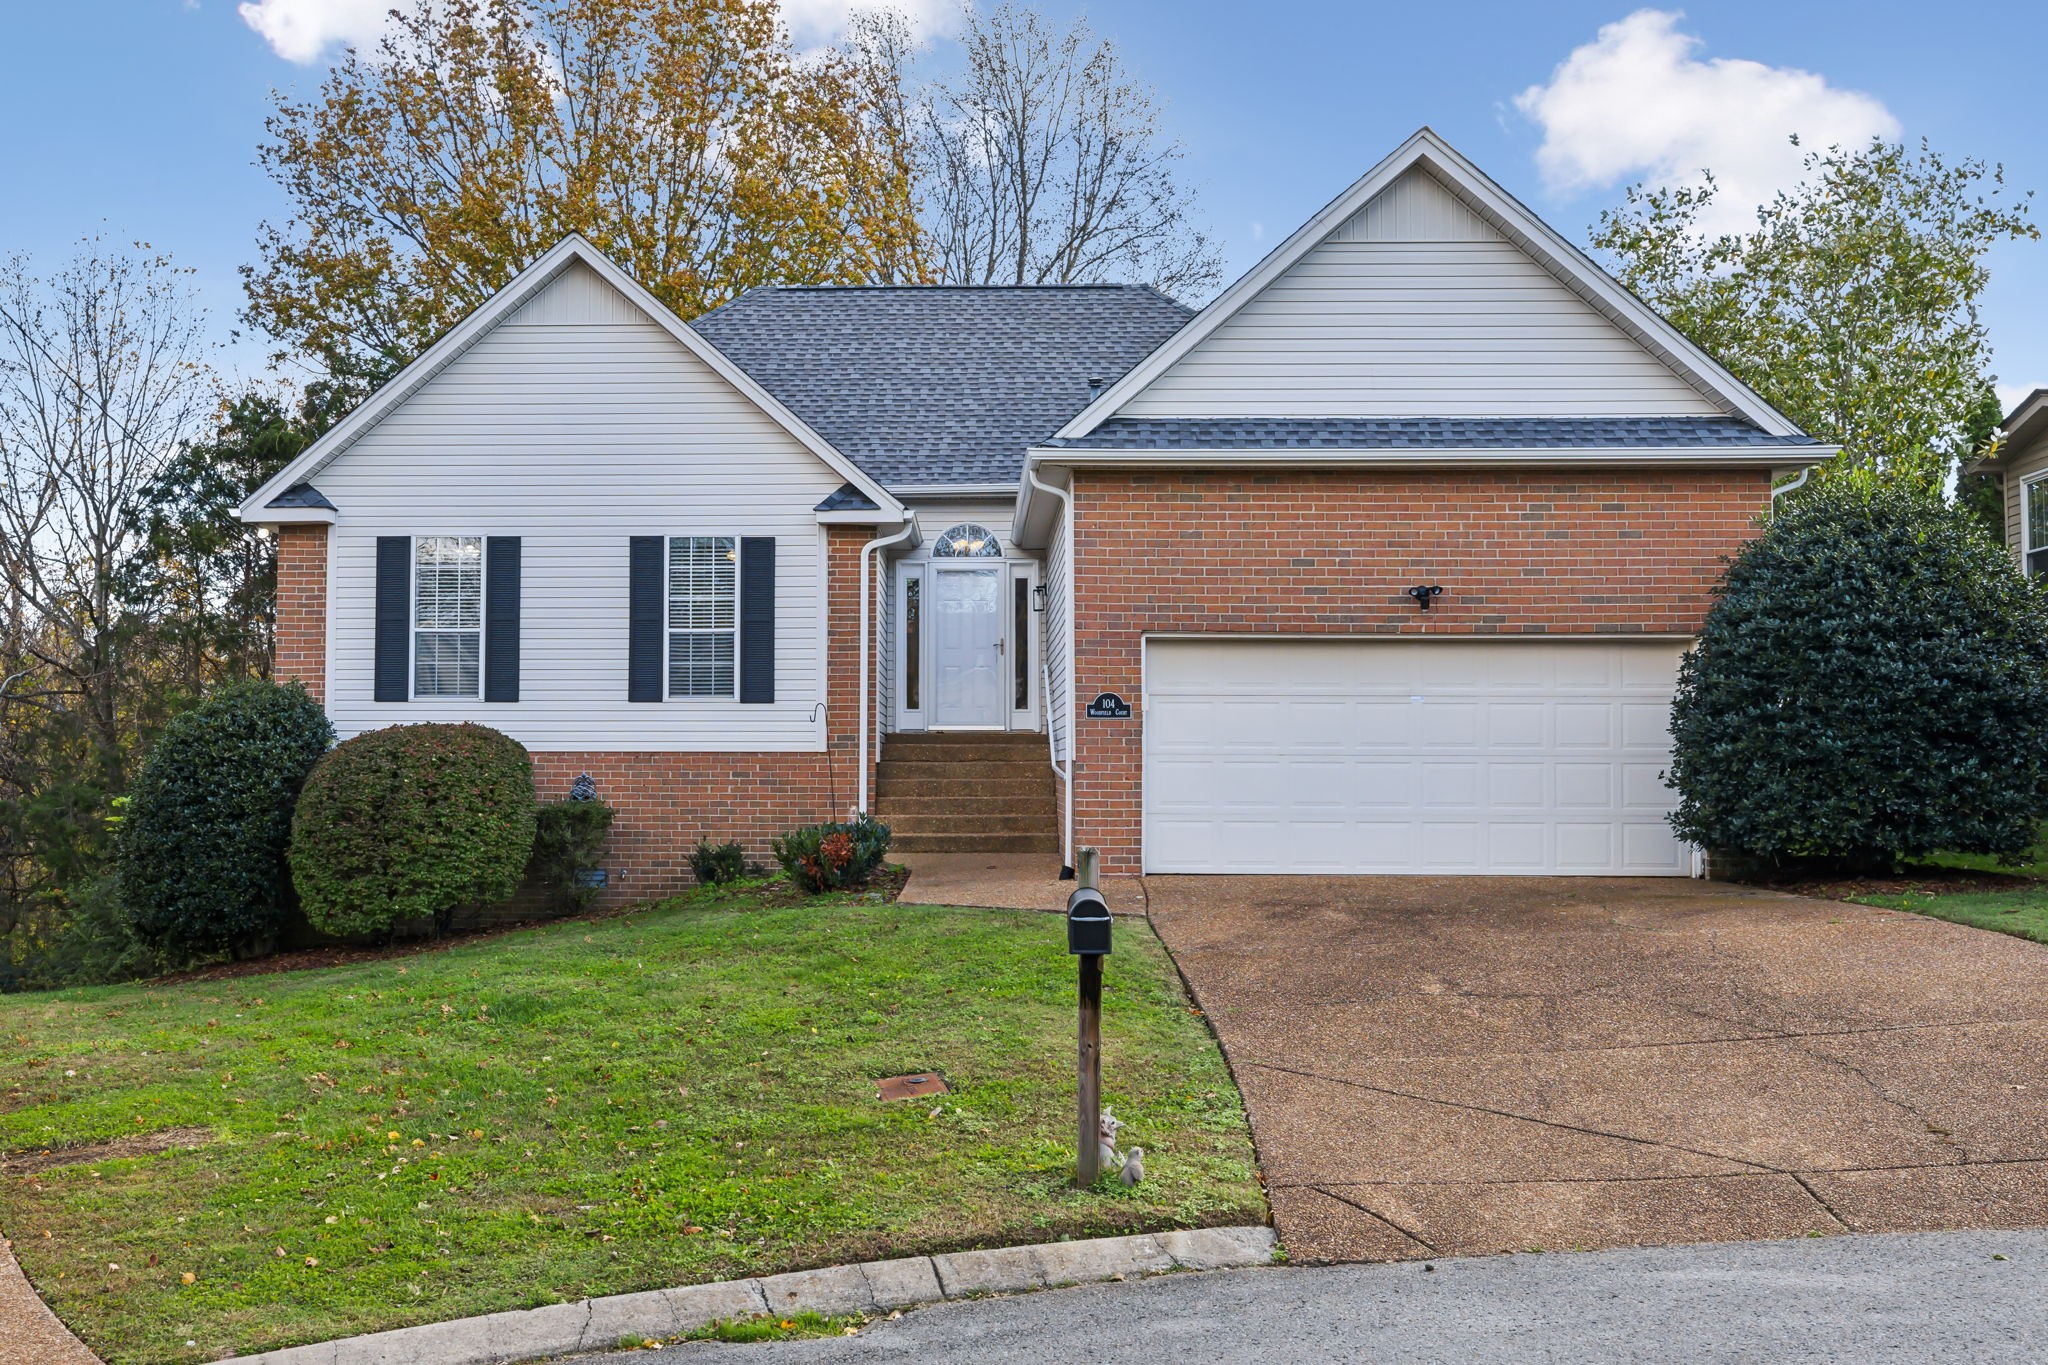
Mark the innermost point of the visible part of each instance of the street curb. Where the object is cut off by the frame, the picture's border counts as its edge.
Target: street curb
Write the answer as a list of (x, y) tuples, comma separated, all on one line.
[(871, 1287)]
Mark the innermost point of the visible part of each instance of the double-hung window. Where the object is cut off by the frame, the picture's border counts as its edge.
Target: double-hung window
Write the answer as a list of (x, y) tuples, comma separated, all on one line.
[(2034, 524), (703, 615), (447, 616)]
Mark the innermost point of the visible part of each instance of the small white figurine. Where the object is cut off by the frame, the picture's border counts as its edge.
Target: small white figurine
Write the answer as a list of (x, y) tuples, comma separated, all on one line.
[(1107, 1156), (1134, 1167)]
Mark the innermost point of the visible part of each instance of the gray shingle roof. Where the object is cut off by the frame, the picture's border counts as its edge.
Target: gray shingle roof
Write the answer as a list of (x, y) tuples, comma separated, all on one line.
[(302, 495), (1423, 433), (939, 385), (847, 498)]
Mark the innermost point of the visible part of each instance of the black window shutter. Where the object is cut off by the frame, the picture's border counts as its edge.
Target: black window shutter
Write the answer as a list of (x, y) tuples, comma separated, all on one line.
[(646, 609), (757, 619), (394, 618), (501, 618)]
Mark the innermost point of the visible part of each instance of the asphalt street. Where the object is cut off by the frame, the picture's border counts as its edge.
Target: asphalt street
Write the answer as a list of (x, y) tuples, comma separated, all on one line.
[(1943, 1296)]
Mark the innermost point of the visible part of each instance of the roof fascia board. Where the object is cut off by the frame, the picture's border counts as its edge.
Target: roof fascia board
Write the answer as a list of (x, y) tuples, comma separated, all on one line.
[(1777, 457), (296, 516), (1559, 256), (494, 310)]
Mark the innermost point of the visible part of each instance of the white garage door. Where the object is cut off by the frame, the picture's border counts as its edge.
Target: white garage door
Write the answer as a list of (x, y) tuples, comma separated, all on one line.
[(1436, 756)]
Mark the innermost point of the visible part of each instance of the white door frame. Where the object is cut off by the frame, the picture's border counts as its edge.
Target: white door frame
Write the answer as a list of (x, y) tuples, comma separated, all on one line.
[(923, 715)]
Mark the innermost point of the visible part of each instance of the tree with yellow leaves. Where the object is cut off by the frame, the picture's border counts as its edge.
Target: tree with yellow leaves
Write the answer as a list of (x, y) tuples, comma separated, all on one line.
[(685, 138)]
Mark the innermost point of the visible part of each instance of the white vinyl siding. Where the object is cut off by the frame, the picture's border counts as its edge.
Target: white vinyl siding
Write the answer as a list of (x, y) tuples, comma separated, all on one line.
[(1059, 703), (448, 616), (1417, 309), (575, 425)]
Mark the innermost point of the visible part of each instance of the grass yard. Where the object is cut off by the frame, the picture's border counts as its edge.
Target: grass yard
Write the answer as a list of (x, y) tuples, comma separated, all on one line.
[(684, 1094), (2023, 912), (1996, 900)]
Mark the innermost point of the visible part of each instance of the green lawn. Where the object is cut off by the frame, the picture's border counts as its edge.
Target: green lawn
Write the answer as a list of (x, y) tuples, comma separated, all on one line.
[(2023, 912), (585, 1108)]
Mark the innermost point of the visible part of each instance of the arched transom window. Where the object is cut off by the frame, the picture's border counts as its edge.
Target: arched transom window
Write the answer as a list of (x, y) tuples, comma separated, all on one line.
[(967, 541)]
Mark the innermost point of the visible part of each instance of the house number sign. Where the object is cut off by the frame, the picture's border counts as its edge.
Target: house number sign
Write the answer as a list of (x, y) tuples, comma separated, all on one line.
[(1108, 706)]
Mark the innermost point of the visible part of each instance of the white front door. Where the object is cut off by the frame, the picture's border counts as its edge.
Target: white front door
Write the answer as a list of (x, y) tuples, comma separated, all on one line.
[(967, 647)]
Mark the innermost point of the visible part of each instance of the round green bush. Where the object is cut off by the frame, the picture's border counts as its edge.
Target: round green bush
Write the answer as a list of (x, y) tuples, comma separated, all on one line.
[(1871, 686), (412, 823), (201, 848)]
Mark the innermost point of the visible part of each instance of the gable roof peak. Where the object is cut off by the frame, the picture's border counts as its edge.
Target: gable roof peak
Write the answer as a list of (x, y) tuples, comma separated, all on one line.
[(1427, 149)]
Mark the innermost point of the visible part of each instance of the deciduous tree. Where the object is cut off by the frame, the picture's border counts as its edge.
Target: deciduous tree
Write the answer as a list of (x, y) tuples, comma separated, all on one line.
[(1852, 305), (685, 138)]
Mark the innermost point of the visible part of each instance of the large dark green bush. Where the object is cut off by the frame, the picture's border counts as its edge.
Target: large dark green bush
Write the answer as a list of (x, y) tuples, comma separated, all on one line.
[(833, 857), (201, 845), (1871, 685), (568, 841), (412, 823)]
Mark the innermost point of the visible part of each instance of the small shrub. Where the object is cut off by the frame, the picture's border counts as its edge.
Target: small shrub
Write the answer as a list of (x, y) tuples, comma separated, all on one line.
[(412, 823), (1871, 685), (568, 839), (718, 864), (201, 846), (835, 857)]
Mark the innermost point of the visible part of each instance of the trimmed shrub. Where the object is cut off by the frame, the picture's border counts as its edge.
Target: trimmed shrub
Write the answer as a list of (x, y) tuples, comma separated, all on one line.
[(201, 846), (1871, 686), (412, 823), (718, 864), (568, 840), (835, 857)]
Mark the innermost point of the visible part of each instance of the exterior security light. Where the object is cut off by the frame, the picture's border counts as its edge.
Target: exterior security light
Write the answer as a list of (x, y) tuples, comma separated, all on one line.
[(1422, 593), (1040, 596)]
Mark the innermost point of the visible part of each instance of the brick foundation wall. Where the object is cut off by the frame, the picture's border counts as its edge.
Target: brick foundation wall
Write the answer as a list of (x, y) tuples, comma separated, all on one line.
[(666, 802), (1330, 553), (301, 648)]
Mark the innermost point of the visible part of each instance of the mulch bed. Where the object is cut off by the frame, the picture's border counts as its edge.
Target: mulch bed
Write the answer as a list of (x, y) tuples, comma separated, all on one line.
[(1919, 881), (888, 884)]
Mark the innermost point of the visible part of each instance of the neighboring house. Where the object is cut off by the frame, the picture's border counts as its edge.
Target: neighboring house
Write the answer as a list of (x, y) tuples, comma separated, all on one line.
[(957, 541), (2022, 466)]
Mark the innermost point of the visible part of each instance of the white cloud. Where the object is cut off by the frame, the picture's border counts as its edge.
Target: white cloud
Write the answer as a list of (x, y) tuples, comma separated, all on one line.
[(305, 31), (1638, 103), (812, 22)]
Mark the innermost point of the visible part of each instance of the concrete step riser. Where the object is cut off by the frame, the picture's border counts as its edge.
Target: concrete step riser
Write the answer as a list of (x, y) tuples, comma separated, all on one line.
[(966, 753), (986, 767), (976, 843), (964, 823), (960, 792), (1041, 805)]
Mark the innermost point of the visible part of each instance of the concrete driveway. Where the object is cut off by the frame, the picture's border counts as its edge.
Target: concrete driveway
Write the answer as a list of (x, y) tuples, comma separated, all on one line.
[(1466, 1065)]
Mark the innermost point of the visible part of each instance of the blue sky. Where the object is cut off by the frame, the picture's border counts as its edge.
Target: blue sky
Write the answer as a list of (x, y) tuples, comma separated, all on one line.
[(140, 117)]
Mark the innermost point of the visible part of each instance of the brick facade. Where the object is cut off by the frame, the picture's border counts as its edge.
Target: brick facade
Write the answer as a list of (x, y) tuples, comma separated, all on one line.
[(301, 642), (1330, 553), (666, 801)]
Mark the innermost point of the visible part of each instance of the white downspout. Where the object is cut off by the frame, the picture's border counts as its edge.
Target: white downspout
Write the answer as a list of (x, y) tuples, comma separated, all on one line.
[(1782, 489), (1065, 774), (867, 643)]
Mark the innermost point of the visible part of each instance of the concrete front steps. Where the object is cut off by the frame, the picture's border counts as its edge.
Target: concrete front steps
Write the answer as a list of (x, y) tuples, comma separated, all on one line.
[(968, 792)]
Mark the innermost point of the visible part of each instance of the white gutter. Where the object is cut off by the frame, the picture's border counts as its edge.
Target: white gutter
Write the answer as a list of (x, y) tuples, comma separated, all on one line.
[(867, 644), (1065, 774)]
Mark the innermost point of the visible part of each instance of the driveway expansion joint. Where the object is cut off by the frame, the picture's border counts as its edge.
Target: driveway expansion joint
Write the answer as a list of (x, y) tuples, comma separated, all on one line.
[(831, 1291)]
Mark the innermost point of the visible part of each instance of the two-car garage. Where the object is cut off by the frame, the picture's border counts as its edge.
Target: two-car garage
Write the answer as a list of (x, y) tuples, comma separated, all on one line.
[(1451, 756)]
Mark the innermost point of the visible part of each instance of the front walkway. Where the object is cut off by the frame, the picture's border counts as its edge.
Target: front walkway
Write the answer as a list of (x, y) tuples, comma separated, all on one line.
[(1439, 1066)]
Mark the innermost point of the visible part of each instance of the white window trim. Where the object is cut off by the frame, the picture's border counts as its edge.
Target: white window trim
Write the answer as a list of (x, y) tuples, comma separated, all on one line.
[(669, 631), (1025, 651), (2029, 543), (414, 630), (992, 539), (909, 717)]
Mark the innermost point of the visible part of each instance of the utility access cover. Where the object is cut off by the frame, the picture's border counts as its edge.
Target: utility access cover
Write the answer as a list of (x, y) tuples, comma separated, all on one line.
[(910, 1087)]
